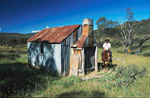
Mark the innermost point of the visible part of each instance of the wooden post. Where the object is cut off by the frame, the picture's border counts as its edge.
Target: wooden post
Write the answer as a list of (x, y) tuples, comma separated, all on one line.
[(96, 63), (83, 58)]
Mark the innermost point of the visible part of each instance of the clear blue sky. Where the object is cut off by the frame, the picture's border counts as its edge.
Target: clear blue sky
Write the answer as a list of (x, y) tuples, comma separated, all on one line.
[(24, 16)]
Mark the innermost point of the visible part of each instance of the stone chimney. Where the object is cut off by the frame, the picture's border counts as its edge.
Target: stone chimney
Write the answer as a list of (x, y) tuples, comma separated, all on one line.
[(87, 27), (88, 30)]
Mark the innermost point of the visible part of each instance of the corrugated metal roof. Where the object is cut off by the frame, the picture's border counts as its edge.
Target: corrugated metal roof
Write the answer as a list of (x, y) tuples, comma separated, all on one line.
[(80, 42), (53, 35)]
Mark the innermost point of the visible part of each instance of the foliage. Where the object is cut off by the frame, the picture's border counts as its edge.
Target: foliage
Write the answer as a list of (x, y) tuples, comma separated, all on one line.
[(123, 76), (115, 44), (146, 53), (10, 53), (13, 39), (104, 24), (131, 34), (143, 32), (19, 80), (126, 75)]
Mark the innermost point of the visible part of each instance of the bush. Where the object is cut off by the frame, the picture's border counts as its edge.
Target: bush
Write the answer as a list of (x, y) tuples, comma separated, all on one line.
[(120, 51), (146, 54), (123, 76), (126, 75), (116, 44)]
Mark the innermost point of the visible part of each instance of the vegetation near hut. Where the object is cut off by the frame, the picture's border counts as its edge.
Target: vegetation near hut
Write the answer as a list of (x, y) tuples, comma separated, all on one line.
[(131, 34), (128, 76), (17, 79)]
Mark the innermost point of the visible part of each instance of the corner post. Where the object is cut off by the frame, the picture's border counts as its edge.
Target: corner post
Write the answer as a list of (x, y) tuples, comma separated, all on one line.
[(96, 63), (83, 58)]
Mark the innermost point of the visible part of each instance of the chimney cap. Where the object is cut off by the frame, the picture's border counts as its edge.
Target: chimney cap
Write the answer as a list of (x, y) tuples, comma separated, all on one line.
[(87, 21)]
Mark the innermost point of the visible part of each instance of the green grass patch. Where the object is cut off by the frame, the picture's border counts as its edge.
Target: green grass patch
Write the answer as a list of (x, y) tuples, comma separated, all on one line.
[(18, 80)]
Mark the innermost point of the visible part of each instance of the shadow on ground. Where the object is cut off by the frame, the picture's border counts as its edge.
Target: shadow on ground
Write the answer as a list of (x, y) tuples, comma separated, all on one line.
[(101, 66), (16, 79), (76, 94)]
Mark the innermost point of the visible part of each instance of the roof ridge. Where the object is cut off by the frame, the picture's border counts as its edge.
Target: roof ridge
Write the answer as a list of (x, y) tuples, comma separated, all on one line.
[(62, 26)]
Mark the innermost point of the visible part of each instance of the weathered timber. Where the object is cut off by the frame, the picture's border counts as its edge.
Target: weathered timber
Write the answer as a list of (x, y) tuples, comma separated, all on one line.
[(74, 63), (96, 63), (83, 58)]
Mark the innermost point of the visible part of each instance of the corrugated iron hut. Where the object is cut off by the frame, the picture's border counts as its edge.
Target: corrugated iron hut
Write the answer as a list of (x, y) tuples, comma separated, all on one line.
[(64, 50)]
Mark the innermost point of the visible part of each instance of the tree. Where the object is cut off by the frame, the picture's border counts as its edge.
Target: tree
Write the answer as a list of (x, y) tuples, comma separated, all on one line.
[(123, 32), (127, 33), (143, 32), (104, 25), (101, 23), (127, 29)]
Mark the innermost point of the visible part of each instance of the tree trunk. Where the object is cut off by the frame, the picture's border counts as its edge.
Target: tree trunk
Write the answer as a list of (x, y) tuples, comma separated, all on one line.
[(126, 46), (126, 49), (140, 46), (138, 51)]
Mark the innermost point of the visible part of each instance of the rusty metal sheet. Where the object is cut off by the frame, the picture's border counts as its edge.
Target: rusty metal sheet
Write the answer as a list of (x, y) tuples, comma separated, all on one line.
[(81, 41), (35, 36), (53, 35)]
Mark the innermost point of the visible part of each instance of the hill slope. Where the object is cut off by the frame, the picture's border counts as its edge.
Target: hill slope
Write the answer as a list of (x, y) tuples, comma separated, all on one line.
[(14, 38)]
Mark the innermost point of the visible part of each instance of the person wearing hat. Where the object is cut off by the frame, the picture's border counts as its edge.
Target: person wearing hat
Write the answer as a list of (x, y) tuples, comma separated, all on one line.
[(106, 47)]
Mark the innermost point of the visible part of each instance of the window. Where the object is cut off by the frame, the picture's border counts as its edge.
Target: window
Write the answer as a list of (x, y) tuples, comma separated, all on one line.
[(41, 48)]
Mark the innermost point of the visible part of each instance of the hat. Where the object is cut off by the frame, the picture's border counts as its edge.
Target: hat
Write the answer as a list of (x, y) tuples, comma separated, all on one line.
[(106, 40)]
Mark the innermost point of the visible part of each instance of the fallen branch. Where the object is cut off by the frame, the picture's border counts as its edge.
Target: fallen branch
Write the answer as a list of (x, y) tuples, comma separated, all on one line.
[(143, 72)]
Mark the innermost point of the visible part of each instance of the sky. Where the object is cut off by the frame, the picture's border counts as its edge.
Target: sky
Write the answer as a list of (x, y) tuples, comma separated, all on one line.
[(25, 16)]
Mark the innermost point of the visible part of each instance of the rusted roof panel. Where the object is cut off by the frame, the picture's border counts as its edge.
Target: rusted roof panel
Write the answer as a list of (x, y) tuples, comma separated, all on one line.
[(53, 35), (80, 42)]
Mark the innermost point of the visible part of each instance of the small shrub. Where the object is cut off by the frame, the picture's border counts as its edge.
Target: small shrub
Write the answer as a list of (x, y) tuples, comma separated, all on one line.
[(146, 54), (132, 52), (120, 51), (123, 76), (126, 75)]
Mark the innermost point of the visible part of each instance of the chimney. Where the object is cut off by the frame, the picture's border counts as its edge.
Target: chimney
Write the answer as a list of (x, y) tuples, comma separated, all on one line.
[(87, 27), (88, 30)]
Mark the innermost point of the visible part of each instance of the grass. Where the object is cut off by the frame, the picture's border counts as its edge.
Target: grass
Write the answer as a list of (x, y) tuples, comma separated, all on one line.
[(16, 79)]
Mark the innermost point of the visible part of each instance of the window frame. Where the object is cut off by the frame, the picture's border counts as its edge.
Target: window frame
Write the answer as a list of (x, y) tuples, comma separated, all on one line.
[(41, 48)]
